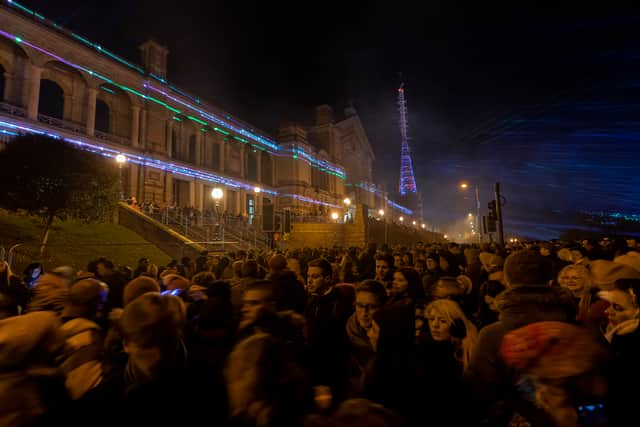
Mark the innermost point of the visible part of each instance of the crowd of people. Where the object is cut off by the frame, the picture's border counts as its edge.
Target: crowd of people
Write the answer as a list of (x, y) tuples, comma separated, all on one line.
[(534, 334)]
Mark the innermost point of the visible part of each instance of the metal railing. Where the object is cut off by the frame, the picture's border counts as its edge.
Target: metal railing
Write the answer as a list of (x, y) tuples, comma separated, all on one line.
[(13, 110), (224, 230), (62, 124), (112, 137)]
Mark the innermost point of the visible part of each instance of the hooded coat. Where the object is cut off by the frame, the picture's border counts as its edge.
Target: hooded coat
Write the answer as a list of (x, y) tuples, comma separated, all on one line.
[(491, 381)]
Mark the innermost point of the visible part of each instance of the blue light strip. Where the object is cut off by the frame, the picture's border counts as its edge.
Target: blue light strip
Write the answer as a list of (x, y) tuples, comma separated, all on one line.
[(318, 163), (402, 209), (373, 189), (215, 119), (14, 129), (310, 200)]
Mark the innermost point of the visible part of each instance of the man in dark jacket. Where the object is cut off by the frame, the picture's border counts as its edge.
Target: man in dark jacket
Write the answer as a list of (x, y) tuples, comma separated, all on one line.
[(327, 311), (528, 299)]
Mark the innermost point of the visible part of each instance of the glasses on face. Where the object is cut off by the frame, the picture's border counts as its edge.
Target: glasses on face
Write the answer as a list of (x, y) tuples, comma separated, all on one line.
[(366, 307)]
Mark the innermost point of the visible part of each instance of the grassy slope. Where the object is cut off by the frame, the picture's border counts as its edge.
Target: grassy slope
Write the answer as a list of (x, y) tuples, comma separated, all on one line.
[(74, 243)]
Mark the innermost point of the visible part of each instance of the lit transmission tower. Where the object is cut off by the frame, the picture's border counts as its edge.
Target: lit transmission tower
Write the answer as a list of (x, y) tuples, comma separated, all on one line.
[(407, 180)]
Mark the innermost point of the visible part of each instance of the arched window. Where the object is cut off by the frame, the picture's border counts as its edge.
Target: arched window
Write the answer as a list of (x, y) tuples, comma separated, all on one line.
[(102, 116), (51, 101)]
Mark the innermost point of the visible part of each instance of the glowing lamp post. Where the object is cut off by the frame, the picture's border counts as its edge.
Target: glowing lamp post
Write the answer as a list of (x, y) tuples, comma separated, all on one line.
[(464, 186), (217, 195), (335, 216), (401, 219), (121, 159)]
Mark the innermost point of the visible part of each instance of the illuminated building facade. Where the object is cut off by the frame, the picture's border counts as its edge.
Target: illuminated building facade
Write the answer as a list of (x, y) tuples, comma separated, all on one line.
[(178, 146)]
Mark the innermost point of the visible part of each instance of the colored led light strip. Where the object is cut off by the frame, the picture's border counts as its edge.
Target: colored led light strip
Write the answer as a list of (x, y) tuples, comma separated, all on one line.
[(320, 164), (140, 70), (215, 119), (372, 189), (315, 162), (310, 200), (402, 209), (139, 159)]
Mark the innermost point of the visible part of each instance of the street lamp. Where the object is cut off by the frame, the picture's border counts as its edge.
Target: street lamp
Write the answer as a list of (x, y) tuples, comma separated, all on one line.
[(257, 189), (401, 219), (464, 186), (414, 223), (121, 159), (334, 216), (347, 201), (217, 195), (424, 226), (381, 212)]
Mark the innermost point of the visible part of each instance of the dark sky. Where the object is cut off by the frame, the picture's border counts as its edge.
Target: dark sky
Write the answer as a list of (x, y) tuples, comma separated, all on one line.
[(538, 98)]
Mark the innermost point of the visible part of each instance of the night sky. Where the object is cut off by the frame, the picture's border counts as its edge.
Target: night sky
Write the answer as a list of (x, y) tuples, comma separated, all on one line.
[(544, 100)]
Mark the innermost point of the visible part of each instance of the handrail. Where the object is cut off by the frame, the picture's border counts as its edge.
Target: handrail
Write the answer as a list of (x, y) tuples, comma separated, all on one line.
[(112, 137), (62, 124)]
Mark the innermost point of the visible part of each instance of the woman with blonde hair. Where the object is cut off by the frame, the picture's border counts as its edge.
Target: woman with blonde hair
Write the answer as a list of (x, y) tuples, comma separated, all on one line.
[(444, 350), (447, 323), (577, 279)]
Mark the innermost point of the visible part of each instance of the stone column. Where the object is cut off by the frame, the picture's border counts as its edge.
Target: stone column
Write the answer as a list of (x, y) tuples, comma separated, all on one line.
[(143, 129), (200, 196), (192, 193), (135, 125), (258, 166), (169, 138), (198, 156), (8, 87), (34, 92), (239, 204), (68, 107), (222, 154), (243, 161), (91, 110)]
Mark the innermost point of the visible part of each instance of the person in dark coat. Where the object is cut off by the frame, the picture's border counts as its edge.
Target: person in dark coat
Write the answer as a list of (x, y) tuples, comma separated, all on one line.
[(391, 380), (370, 296), (328, 308), (623, 334), (15, 295), (529, 299)]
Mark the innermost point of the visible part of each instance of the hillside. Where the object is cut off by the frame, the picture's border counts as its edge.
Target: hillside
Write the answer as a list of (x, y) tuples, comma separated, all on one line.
[(73, 243)]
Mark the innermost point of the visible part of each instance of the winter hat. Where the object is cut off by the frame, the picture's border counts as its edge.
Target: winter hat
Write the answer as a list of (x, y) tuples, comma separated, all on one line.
[(550, 349), (138, 286), (631, 259), (605, 273)]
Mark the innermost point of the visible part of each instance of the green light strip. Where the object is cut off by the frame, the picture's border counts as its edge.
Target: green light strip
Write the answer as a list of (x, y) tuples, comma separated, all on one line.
[(224, 132), (195, 119), (22, 8), (241, 139)]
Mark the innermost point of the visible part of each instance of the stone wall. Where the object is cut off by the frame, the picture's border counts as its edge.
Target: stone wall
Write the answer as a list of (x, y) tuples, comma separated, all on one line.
[(172, 243)]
